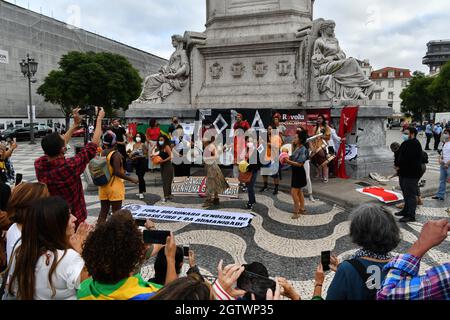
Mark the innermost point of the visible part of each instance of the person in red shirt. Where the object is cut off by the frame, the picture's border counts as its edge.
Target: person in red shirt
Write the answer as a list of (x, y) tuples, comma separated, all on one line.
[(152, 135), (61, 174)]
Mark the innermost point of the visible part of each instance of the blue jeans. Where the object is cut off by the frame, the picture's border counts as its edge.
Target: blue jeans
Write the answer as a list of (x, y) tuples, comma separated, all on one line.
[(251, 188), (445, 174)]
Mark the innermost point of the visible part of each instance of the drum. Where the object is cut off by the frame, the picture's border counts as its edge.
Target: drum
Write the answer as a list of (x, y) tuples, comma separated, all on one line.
[(321, 158)]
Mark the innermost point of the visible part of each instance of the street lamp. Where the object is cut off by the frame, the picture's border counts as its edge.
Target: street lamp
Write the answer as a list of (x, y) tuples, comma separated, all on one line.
[(29, 69)]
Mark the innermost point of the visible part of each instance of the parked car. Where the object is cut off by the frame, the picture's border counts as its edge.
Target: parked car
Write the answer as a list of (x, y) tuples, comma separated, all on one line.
[(394, 124), (41, 129), (18, 133)]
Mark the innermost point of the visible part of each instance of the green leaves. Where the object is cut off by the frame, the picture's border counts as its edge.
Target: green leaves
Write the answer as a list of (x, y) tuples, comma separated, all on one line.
[(102, 79)]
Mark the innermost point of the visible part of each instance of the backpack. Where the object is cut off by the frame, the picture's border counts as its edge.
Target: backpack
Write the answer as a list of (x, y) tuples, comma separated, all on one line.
[(425, 159), (362, 272), (99, 171)]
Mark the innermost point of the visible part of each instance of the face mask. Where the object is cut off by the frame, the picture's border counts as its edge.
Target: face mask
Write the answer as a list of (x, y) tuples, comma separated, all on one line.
[(161, 143), (138, 140), (405, 137)]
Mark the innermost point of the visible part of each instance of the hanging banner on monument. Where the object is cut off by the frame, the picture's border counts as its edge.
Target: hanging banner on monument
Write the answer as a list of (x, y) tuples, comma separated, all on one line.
[(291, 120), (196, 186), (188, 215), (348, 120)]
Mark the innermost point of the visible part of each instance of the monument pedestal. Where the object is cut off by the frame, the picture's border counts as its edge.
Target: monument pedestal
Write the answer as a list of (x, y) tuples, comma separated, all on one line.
[(371, 131), (146, 111)]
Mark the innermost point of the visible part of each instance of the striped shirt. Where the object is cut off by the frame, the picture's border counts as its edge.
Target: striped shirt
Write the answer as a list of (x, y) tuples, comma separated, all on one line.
[(403, 281)]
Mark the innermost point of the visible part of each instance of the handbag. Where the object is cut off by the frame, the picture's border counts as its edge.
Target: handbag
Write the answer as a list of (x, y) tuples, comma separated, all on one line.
[(245, 177)]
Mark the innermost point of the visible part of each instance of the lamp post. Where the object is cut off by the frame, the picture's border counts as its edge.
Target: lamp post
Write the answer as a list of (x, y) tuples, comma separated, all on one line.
[(29, 69)]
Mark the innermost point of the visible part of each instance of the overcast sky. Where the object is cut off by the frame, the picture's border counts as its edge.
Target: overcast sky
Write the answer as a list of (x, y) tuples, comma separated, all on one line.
[(388, 32)]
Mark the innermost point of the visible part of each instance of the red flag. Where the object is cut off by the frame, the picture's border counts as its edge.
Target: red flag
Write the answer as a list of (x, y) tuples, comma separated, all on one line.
[(348, 120)]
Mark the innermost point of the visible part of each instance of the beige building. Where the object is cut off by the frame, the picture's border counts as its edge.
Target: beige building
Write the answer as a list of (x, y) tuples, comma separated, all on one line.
[(393, 80)]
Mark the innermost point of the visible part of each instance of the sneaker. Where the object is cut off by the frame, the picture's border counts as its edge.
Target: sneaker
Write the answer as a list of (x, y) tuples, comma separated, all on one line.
[(438, 198), (407, 219), (250, 206), (141, 196), (163, 201), (311, 198)]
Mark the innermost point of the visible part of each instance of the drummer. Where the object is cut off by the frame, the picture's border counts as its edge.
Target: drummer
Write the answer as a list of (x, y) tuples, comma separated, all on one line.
[(320, 145)]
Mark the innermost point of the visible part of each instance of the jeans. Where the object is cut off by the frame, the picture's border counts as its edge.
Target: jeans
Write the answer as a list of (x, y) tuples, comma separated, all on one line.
[(251, 188), (409, 188), (445, 174)]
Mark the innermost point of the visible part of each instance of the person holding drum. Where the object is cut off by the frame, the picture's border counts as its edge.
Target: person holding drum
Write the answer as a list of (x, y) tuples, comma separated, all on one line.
[(320, 156), (297, 161), (307, 166)]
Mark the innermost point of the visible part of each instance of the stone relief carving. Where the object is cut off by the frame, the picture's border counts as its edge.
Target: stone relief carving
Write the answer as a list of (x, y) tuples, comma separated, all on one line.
[(337, 76), (216, 71), (260, 69), (172, 77), (284, 68), (237, 70)]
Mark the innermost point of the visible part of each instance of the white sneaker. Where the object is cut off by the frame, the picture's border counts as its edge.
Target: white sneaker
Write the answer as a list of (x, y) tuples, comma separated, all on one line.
[(311, 198), (141, 196)]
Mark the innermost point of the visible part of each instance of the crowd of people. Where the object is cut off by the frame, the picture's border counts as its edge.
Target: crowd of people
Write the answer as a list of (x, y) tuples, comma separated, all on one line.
[(50, 252)]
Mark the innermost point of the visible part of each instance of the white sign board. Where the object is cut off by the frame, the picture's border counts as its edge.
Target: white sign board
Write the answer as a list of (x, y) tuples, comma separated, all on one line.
[(4, 56), (187, 215)]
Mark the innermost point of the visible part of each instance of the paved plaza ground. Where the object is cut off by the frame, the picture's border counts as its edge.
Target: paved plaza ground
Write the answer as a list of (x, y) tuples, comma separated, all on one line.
[(289, 248)]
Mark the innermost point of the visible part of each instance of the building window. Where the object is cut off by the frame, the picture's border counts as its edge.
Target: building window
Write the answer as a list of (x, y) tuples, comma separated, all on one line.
[(401, 74), (391, 96), (391, 83), (391, 105), (404, 83), (391, 74), (378, 96)]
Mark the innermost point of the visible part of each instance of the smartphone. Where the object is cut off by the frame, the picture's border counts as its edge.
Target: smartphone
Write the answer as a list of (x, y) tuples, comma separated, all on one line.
[(155, 236), (186, 251), (19, 178), (256, 284), (325, 258), (140, 222)]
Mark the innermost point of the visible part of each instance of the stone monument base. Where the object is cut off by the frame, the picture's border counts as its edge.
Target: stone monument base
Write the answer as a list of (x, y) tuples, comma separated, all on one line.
[(370, 137)]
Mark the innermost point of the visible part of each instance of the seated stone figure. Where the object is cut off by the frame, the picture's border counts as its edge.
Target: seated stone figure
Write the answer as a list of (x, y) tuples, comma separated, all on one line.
[(338, 76), (172, 77)]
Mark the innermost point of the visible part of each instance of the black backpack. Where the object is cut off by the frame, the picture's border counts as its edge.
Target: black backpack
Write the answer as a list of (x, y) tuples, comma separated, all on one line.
[(425, 159), (362, 271)]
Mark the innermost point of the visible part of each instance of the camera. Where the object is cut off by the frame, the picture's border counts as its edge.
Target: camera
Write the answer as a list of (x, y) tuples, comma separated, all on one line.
[(89, 111)]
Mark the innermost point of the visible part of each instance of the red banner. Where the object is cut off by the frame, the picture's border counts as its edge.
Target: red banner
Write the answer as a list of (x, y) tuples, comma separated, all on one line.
[(348, 120)]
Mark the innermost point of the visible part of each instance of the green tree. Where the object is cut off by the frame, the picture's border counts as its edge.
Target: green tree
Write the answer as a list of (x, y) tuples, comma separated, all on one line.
[(416, 97), (440, 89), (102, 79)]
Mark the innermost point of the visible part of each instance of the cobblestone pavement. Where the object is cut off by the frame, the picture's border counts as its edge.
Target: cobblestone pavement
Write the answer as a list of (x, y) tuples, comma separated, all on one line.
[(287, 247)]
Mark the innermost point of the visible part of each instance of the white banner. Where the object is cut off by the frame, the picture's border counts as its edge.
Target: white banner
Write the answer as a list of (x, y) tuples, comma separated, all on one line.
[(4, 56), (187, 215)]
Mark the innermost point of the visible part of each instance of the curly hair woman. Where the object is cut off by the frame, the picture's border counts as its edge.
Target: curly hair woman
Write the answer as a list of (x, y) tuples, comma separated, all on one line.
[(112, 253)]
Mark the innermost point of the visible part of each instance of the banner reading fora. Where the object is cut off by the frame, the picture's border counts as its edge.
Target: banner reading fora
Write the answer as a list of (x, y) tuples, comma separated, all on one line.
[(196, 186), (188, 215)]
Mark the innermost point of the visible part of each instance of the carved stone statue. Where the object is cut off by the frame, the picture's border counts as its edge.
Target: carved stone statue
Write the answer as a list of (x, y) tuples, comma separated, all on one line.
[(338, 76), (172, 77)]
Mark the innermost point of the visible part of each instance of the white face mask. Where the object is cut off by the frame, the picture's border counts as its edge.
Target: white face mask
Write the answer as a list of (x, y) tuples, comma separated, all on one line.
[(138, 140), (161, 143)]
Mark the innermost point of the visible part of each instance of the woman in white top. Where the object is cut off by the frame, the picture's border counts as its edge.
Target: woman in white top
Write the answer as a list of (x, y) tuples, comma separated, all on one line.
[(19, 207), (47, 265)]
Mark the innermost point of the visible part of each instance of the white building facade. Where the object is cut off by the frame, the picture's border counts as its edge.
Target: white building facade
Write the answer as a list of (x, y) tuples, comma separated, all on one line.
[(394, 81)]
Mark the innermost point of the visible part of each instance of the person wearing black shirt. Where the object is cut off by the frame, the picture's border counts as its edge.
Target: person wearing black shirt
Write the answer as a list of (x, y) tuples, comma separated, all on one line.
[(121, 135), (408, 163)]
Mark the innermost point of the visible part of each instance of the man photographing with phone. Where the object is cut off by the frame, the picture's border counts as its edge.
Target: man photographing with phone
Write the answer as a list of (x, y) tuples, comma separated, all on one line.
[(61, 174)]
